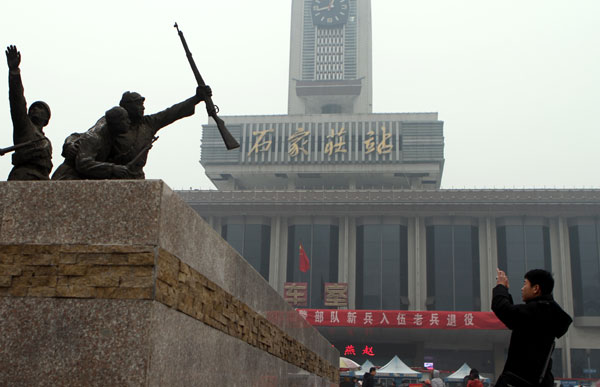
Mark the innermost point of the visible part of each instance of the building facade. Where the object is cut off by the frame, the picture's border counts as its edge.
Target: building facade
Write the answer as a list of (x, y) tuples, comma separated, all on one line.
[(341, 211), (424, 250)]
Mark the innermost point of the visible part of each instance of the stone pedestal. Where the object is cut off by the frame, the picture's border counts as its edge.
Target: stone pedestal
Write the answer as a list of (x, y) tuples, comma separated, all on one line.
[(120, 283)]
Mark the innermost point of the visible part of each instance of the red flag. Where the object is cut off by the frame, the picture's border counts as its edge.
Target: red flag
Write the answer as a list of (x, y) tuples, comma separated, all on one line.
[(304, 262)]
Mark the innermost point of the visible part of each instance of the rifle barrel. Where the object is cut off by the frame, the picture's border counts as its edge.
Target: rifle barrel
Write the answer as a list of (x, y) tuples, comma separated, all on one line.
[(6, 150), (228, 139)]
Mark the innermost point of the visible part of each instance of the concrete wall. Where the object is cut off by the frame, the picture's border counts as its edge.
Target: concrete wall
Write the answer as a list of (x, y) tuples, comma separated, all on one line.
[(122, 283)]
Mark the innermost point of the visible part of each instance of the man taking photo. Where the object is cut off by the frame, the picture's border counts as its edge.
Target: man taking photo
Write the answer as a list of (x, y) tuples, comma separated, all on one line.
[(534, 325)]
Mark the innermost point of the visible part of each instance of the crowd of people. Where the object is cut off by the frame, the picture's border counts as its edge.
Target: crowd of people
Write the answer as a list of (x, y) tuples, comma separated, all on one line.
[(368, 380)]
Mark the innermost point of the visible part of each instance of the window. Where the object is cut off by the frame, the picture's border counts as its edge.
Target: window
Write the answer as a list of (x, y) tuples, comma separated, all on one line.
[(453, 267), (320, 242), (585, 363), (585, 266), (252, 241), (381, 266), (522, 246), (331, 109)]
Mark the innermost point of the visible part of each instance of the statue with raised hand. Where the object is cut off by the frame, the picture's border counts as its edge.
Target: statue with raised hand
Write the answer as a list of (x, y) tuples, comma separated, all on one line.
[(34, 160)]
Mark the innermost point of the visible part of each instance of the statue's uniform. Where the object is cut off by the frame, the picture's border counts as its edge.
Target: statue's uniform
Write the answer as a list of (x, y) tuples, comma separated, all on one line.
[(33, 162), (128, 145), (100, 150)]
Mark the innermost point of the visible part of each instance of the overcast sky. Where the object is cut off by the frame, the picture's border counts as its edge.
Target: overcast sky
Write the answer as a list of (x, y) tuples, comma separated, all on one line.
[(516, 82)]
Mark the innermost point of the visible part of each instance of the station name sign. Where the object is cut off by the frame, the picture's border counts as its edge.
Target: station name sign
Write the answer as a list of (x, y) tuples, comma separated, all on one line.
[(328, 143)]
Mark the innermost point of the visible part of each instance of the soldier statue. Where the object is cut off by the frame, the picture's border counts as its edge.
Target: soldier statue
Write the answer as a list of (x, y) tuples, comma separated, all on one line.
[(32, 159), (121, 152)]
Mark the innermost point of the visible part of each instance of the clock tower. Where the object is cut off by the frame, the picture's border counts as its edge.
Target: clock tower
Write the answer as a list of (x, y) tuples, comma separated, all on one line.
[(330, 57)]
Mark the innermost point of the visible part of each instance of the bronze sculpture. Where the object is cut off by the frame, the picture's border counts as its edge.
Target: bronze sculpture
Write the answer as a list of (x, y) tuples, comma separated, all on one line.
[(32, 159), (121, 152), (87, 154), (116, 147)]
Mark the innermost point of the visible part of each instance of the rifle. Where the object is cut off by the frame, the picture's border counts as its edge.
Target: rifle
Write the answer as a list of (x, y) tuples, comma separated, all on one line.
[(211, 108), (144, 150), (4, 151)]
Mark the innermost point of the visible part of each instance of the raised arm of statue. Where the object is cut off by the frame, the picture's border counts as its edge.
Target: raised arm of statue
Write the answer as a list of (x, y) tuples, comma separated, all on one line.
[(16, 96), (180, 110)]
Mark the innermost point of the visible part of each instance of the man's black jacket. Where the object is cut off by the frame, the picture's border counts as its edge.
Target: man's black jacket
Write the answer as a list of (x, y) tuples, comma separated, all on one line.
[(368, 380), (534, 327)]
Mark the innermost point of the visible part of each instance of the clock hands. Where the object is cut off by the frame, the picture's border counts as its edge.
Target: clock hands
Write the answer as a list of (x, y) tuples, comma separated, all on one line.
[(327, 7), (329, 12)]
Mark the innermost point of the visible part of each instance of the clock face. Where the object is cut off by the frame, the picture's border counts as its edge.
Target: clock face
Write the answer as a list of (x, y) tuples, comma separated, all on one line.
[(330, 12)]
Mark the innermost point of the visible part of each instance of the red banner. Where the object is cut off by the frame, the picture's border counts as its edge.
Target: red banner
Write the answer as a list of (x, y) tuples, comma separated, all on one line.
[(430, 319)]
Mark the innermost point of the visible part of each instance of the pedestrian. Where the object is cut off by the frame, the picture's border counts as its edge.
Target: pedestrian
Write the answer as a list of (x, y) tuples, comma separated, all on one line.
[(437, 381), (474, 380), (534, 325), (369, 378), (466, 380)]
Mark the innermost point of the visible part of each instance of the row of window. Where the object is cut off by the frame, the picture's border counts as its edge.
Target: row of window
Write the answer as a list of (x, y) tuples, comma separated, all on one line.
[(329, 76), (335, 49), (452, 253)]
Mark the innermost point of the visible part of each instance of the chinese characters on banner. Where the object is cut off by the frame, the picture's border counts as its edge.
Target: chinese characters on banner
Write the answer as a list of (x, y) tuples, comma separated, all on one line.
[(336, 294), (295, 293), (378, 141), (401, 319), (350, 351)]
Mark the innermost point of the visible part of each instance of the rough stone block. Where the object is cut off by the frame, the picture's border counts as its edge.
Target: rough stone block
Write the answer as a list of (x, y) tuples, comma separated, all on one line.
[(122, 283), (75, 270), (10, 270), (5, 281), (75, 291)]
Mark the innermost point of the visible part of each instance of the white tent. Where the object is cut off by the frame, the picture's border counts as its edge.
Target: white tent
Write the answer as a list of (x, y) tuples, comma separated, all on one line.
[(396, 367), (366, 366), (460, 374), (363, 368)]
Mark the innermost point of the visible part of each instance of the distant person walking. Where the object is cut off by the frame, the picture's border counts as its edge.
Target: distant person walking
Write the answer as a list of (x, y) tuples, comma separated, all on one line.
[(534, 327), (474, 379), (369, 378), (437, 381)]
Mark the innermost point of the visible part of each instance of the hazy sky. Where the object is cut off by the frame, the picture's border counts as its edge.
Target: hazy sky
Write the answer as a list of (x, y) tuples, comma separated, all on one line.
[(516, 82)]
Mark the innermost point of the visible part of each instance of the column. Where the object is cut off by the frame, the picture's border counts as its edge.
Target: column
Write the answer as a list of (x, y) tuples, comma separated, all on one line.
[(561, 266), (488, 260), (282, 253), (343, 247), (351, 263), (274, 249), (412, 263), (417, 264)]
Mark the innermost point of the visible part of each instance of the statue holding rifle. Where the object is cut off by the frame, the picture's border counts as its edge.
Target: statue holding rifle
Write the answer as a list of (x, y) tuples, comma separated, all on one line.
[(117, 147), (32, 159), (119, 150)]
